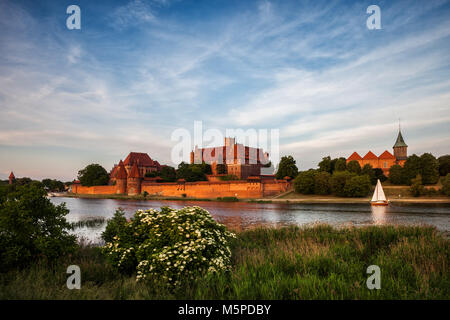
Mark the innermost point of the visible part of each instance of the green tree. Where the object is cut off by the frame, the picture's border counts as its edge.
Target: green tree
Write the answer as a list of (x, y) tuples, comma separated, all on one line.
[(396, 175), (357, 186), (304, 182), (192, 172), (322, 183), (354, 167), (31, 227), (115, 226), (168, 174), (429, 168), (370, 172), (446, 184), (340, 165), (93, 175), (417, 188), (53, 185), (287, 168), (325, 164), (411, 168), (444, 165), (379, 174), (338, 181)]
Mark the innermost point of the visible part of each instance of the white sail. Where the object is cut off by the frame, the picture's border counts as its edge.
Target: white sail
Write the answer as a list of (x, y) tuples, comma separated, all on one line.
[(378, 194)]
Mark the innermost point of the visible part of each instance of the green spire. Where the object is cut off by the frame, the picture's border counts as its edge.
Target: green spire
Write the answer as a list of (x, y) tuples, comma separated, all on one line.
[(400, 142)]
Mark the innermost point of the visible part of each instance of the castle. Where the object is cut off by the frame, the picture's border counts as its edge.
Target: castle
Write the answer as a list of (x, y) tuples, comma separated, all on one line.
[(239, 160), (128, 177), (386, 160)]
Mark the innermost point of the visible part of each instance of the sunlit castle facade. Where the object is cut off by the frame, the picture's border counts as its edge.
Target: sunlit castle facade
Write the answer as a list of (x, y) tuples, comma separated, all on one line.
[(386, 160)]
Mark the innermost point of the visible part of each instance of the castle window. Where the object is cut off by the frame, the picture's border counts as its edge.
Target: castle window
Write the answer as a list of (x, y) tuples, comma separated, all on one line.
[(385, 164)]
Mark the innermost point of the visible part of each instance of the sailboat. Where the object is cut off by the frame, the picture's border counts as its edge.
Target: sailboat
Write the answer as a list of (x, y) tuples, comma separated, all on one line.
[(378, 198)]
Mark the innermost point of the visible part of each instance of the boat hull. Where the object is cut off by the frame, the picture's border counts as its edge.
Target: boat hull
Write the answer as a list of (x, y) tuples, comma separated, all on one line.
[(381, 203)]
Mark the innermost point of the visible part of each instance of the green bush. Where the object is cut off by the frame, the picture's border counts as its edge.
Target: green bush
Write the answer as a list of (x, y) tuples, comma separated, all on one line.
[(322, 183), (358, 186), (446, 184), (169, 245), (396, 175), (304, 182), (354, 167), (32, 227), (338, 181), (417, 188)]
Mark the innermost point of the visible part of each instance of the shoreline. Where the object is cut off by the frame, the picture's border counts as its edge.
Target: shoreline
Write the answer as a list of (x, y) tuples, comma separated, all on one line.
[(299, 199)]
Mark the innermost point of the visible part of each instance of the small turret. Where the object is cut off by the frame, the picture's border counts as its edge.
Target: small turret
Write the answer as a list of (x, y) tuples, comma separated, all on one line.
[(121, 179), (400, 148), (134, 180), (12, 178)]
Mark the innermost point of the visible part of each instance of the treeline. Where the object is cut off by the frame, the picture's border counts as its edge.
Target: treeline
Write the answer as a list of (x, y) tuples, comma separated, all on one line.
[(52, 185), (426, 166), (188, 172)]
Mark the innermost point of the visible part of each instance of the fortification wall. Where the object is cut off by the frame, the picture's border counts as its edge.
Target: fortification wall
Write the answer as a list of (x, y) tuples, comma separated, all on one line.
[(203, 189)]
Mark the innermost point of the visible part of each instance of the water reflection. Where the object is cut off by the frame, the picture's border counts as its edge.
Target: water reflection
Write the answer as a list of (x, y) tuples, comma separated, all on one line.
[(379, 214), (240, 215)]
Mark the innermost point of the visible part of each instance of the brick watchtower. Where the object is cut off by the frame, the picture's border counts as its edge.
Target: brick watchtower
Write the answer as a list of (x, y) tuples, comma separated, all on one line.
[(12, 178), (121, 179), (134, 181), (400, 149)]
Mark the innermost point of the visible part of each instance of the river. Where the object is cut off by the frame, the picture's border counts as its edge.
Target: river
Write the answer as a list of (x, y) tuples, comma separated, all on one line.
[(243, 215)]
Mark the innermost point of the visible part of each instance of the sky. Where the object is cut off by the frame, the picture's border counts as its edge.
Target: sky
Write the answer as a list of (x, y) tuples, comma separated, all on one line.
[(138, 70)]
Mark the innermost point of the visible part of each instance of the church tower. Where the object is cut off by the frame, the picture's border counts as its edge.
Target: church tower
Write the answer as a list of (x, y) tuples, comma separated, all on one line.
[(12, 178), (400, 149)]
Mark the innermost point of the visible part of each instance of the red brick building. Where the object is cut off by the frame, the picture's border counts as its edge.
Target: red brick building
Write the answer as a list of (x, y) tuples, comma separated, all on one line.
[(144, 164), (386, 159)]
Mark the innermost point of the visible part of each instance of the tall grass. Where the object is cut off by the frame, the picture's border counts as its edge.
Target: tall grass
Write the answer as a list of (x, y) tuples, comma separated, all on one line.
[(319, 262)]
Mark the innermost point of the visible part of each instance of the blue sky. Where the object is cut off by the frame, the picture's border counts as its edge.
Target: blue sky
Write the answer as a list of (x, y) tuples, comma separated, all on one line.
[(138, 70)]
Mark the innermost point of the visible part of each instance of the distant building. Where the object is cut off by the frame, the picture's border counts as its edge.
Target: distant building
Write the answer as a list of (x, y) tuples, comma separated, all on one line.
[(11, 178), (144, 164), (386, 159), (239, 160)]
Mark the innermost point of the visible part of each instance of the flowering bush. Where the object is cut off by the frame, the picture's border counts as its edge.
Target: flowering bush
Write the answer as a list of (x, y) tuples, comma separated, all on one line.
[(168, 244)]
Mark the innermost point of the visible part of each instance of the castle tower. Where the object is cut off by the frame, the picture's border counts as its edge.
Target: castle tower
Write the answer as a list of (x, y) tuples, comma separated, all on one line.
[(400, 149), (12, 178), (134, 181), (121, 179)]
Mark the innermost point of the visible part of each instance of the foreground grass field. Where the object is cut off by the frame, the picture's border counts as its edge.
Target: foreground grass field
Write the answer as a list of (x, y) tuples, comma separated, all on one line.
[(318, 262)]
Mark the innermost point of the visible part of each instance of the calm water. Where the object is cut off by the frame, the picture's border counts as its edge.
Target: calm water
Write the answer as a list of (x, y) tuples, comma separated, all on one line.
[(240, 215)]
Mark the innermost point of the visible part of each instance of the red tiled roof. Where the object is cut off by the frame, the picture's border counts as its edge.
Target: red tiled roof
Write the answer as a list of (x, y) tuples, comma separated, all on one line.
[(370, 156), (355, 156), (135, 171), (142, 159), (386, 155), (11, 176), (121, 173)]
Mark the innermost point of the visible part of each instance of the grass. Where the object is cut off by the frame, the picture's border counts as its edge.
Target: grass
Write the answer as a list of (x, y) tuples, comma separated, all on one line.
[(318, 262)]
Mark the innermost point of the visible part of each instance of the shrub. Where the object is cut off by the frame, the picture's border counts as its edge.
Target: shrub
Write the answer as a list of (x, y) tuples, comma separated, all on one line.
[(304, 182), (170, 245), (446, 184), (417, 188), (322, 183), (32, 227), (338, 181), (358, 186)]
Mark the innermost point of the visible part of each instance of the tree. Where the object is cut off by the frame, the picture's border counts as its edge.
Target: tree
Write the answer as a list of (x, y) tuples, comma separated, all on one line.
[(357, 186), (31, 227), (429, 168), (304, 182), (322, 183), (417, 188), (287, 168), (354, 167), (379, 174), (338, 181), (340, 165), (93, 175), (446, 184), (396, 175), (444, 165), (370, 172), (411, 168), (53, 185), (168, 174), (221, 168), (325, 164), (192, 172)]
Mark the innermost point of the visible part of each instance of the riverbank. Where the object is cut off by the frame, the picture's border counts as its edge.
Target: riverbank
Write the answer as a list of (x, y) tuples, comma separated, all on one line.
[(318, 262), (290, 197)]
